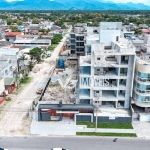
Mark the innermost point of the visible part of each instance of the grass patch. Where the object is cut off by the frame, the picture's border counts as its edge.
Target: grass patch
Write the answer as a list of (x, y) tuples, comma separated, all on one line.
[(106, 134), (24, 81), (52, 47), (107, 125)]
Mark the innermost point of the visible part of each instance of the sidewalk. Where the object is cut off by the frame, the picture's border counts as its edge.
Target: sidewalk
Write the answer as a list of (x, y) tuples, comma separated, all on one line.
[(83, 128)]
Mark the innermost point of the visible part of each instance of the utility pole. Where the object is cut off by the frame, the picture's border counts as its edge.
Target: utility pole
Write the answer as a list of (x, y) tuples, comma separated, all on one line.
[(96, 121)]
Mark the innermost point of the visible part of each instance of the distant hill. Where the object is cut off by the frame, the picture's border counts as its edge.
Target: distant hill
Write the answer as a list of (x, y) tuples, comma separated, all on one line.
[(70, 5)]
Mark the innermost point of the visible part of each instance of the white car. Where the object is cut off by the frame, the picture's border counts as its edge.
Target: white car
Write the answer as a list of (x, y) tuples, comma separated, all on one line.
[(58, 149)]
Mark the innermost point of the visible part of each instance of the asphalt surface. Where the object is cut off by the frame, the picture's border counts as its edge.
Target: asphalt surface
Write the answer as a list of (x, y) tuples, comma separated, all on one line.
[(74, 143)]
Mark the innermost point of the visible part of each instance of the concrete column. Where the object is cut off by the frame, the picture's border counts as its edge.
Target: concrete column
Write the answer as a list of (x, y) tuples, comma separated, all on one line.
[(39, 114)]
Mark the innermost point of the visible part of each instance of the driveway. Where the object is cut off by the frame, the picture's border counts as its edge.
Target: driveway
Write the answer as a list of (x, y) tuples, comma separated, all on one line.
[(142, 129), (65, 127)]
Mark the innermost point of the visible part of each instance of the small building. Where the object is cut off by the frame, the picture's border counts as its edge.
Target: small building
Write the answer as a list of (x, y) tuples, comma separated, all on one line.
[(11, 36), (48, 112), (43, 43), (12, 54)]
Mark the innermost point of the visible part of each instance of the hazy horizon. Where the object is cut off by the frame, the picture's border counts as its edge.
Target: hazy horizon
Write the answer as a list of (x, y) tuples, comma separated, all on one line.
[(146, 2)]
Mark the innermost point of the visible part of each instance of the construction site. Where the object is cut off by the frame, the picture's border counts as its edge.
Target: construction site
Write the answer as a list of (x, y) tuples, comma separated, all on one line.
[(62, 84)]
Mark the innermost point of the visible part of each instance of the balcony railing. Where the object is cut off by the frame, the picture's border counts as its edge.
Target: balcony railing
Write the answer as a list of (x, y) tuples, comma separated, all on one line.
[(142, 92), (142, 80)]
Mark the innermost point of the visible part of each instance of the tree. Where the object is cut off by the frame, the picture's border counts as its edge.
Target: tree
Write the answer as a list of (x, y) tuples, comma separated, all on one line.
[(137, 31), (14, 28), (21, 61), (19, 22), (35, 53), (56, 38), (35, 21), (9, 21)]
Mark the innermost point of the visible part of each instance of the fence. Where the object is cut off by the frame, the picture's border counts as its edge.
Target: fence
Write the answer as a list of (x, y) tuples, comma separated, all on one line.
[(11, 89), (2, 99)]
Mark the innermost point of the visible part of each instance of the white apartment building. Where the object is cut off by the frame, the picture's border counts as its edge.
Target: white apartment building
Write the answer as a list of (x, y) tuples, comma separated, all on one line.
[(141, 92), (12, 54), (6, 70), (106, 75)]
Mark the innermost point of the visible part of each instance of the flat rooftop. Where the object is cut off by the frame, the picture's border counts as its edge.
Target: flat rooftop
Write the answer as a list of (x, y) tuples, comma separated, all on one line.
[(66, 107), (143, 62), (122, 47)]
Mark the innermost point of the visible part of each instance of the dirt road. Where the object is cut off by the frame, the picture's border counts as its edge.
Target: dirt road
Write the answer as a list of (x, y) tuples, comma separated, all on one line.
[(13, 122)]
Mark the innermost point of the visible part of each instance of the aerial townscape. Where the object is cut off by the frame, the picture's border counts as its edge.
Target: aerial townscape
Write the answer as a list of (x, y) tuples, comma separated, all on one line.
[(74, 75)]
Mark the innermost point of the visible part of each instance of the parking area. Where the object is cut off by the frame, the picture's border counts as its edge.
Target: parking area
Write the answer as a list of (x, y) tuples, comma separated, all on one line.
[(65, 127)]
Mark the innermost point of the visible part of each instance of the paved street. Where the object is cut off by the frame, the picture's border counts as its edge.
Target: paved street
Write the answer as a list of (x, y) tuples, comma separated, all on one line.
[(73, 143)]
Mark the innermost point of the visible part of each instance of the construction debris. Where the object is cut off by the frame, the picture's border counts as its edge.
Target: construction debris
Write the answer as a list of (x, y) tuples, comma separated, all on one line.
[(62, 85)]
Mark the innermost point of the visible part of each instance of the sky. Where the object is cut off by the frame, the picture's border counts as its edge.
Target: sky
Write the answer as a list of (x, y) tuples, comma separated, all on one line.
[(147, 2)]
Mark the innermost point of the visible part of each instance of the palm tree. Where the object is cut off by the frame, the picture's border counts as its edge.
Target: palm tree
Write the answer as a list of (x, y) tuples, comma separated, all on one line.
[(22, 60), (30, 65)]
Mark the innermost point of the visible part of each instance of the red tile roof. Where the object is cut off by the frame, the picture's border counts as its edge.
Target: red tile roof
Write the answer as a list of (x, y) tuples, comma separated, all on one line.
[(12, 33), (146, 31)]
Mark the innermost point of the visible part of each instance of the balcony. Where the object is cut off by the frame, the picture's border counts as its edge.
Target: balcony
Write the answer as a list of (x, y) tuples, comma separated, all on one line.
[(142, 92), (144, 81), (143, 103), (85, 71), (84, 94), (85, 60), (107, 95), (108, 62), (121, 94), (122, 83), (106, 72)]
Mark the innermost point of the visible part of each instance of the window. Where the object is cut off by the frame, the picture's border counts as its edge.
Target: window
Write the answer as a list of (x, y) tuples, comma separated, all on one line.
[(98, 58), (98, 69), (97, 91), (123, 71)]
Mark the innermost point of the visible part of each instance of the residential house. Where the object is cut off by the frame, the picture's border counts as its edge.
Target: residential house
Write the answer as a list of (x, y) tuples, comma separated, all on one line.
[(43, 43), (6, 72), (32, 29), (11, 36), (12, 54)]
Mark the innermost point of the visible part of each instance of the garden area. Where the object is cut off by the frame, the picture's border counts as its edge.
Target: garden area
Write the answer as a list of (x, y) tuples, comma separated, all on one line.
[(107, 125)]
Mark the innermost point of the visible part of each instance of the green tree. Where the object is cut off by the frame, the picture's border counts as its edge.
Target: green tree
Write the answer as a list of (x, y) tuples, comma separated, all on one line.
[(9, 21), (31, 65), (35, 21), (56, 38), (14, 28), (35, 53), (19, 22)]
